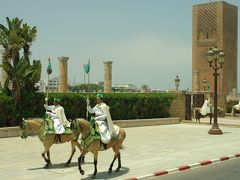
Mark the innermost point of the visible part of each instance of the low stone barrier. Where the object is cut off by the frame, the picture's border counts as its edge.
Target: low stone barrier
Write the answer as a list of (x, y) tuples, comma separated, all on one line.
[(15, 131), (10, 132)]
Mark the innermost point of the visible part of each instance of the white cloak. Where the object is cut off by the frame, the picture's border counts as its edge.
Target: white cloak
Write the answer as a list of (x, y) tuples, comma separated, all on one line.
[(58, 116), (237, 106), (104, 121), (205, 108)]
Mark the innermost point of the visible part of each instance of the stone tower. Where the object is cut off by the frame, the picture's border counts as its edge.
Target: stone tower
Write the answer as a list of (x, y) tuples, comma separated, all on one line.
[(63, 74), (214, 24), (107, 76)]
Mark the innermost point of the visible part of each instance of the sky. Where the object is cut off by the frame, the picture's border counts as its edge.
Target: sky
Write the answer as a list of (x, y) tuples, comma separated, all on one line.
[(149, 41)]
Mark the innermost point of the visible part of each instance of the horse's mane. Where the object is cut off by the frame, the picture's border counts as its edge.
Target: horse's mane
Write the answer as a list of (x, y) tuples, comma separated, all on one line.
[(84, 123), (36, 122), (84, 126)]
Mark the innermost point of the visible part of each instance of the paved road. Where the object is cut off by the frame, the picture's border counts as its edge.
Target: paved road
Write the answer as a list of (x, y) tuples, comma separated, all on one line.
[(148, 149), (220, 171)]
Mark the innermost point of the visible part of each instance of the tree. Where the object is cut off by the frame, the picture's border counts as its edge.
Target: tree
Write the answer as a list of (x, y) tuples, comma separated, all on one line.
[(22, 76), (144, 88), (86, 88)]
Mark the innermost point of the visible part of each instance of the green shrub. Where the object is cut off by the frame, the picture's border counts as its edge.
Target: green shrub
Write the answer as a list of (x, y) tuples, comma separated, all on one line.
[(122, 105), (7, 111)]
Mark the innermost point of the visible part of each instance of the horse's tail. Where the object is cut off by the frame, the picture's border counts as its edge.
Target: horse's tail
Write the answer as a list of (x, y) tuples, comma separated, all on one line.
[(122, 147), (124, 136), (194, 112)]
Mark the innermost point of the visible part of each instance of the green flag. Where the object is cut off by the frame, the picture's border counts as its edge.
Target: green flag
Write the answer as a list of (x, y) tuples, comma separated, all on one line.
[(49, 68), (87, 67)]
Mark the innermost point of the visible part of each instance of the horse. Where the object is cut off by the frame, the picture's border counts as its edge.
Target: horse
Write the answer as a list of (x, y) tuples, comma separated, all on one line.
[(234, 111), (96, 145), (198, 115), (36, 127)]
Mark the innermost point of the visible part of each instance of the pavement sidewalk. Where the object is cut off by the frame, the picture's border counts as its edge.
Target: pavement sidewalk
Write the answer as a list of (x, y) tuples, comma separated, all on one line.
[(225, 121), (148, 149)]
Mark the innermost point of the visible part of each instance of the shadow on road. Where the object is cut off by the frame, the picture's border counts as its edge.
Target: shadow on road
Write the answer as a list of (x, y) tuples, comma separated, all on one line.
[(106, 175)]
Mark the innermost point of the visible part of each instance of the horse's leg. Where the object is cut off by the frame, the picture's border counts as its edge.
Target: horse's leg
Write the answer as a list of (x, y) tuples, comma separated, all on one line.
[(72, 153), (211, 118), (79, 162), (80, 148), (119, 162), (49, 160), (47, 145), (95, 155), (44, 157), (116, 155)]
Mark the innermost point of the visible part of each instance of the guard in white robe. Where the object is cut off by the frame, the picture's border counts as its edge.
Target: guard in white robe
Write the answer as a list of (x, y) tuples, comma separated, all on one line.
[(206, 107), (237, 106), (103, 119), (58, 116)]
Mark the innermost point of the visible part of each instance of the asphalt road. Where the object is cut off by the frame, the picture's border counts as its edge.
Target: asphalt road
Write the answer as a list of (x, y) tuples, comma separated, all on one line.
[(229, 170)]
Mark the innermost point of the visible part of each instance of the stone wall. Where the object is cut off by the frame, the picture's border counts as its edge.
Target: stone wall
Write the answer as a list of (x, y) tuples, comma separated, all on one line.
[(178, 106)]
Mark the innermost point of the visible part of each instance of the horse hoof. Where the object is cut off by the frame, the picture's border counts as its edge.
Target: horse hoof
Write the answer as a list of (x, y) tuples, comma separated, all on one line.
[(117, 170), (47, 166), (110, 171), (93, 176), (66, 165), (82, 172)]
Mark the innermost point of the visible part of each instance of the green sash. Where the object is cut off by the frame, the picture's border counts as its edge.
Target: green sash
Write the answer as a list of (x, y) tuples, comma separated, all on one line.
[(93, 136), (48, 125)]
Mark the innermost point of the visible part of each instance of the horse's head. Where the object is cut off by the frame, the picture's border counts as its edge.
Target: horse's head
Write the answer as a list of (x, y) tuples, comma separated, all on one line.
[(80, 126), (26, 131)]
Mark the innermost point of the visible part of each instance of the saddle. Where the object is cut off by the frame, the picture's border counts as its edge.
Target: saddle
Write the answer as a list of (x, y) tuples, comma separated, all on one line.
[(49, 128)]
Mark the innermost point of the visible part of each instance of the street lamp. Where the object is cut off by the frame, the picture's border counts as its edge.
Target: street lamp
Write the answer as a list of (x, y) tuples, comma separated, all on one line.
[(177, 82), (215, 60), (204, 84)]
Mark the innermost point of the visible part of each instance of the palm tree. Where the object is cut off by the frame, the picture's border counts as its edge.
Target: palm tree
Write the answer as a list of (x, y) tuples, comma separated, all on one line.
[(21, 73), (28, 35)]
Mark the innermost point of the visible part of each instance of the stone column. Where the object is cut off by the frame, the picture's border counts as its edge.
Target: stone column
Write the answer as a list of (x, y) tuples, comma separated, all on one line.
[(63, 74), (107, 76)]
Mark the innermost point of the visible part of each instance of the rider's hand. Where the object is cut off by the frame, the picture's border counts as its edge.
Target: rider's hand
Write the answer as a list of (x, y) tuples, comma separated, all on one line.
[(46, 100), (88, 102)]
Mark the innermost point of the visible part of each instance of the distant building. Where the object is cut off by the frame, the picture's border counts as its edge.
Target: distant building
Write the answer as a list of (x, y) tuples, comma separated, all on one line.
[(53, 85), (124, 88)]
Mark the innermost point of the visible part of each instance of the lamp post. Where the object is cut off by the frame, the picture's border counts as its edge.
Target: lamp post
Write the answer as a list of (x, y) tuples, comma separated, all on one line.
[(177, 82), (215, 60), (204, 84)]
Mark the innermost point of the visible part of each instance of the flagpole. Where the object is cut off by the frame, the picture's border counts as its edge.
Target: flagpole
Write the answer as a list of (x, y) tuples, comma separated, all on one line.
[(89, 71), (49, 71), (84, 74), (87, 109)]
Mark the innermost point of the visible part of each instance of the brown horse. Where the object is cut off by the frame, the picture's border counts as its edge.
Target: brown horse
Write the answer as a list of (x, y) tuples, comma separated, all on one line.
[(35, 127), (198, 115), (96, 145)]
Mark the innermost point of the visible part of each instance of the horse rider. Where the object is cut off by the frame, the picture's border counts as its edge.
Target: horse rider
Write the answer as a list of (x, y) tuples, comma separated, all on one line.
[(237, 106), (206, 107), (56, 111), (103, 119)]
